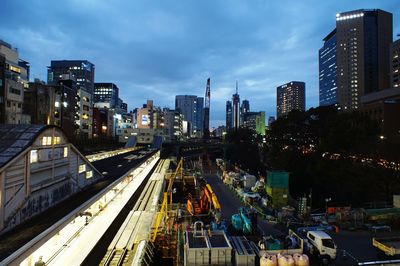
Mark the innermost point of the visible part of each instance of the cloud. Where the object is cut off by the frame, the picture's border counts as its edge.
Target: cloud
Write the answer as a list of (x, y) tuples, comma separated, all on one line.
[(157, 50)]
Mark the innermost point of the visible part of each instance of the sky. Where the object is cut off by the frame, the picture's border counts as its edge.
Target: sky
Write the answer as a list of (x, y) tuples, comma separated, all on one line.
[(159, 49)]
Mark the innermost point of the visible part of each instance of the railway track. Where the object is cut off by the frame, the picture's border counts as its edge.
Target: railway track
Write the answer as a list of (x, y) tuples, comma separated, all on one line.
[(131, 240)]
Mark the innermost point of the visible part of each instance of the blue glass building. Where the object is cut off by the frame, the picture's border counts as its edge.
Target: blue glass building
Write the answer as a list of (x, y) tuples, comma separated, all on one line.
[(328, 71)]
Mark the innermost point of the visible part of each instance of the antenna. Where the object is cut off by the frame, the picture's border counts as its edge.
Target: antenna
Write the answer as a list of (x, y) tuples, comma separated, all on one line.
[(236, 87)]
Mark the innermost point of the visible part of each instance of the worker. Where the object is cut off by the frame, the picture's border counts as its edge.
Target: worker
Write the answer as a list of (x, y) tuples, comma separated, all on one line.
[(40, 262)]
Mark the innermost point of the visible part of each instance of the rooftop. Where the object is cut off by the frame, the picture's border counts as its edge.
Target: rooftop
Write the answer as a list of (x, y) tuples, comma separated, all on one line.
[(16, 138)]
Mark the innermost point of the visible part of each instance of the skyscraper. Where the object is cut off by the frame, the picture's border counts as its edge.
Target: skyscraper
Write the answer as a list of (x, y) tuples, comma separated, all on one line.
[(106, 95), (245, 106), (82, 71), (328, 71), (395, 64), (192, 109), (229, 118), (236, 108), (363, 40), (290, 96)]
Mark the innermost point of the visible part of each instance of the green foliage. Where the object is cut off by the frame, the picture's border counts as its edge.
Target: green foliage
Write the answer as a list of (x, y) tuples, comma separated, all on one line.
[(296, 144)]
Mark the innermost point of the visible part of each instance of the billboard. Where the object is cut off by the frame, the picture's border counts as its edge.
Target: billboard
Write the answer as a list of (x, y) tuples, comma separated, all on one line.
[(145, 120)]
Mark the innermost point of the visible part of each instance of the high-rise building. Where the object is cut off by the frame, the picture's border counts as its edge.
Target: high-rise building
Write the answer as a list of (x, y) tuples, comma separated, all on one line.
[(363, 41), (395, 64), (15, 80), (271, 120), (192, 109), (236, 109), (245, 106), (106, 95), (229, 118), (328, 71), (82, 71), (290, 96)]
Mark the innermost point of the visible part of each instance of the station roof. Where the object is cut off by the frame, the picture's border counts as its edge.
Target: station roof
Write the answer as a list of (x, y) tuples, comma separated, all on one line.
[(16, 138)]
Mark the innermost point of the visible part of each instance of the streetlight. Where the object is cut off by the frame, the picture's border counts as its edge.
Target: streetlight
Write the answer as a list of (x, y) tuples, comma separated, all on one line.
[(326, 204)]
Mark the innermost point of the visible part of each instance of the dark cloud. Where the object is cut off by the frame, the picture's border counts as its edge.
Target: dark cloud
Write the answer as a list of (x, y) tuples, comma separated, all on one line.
[(155, 50)]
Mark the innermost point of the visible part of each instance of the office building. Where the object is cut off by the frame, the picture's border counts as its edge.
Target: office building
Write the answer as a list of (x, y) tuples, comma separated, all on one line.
[(2, 90), (363, 41), (384, 107), (290, 96), (173, 125), (229, 118), (52, 105), (328, 71), (82, 71), (236, 109), (395, 64), (105, 95), (245, 106), (271, 120), (192, 109), (13, 82), (255, 121)]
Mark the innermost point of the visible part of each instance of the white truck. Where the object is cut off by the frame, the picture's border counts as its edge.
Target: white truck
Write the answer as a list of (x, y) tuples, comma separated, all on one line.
[(321, 245), (316, 243)]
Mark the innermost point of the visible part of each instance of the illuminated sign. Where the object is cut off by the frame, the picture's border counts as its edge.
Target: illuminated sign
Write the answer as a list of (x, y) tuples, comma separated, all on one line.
[(15, 69), (145, 120)]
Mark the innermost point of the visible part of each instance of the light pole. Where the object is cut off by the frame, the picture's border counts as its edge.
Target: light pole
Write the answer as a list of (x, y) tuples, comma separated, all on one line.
[(326, 204)]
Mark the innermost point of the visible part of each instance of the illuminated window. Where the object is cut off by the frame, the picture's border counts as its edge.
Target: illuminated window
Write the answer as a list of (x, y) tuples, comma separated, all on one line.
[(34, 156), (82, 168), (89, 174), (57, 140), (46, 140), (65, 152)]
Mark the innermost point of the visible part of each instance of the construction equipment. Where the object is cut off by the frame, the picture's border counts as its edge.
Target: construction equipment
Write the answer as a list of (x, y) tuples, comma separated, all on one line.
[(167, 201), (244, 221), (208, 202), (388, 245)]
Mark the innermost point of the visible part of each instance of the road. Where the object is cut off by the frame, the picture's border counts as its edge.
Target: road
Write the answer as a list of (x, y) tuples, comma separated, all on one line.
[(230, 203), (115, 166)]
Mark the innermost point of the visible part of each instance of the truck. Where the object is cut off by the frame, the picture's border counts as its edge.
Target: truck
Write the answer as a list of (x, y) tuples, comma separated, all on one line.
[(321, 245), (390, 246), (315, 243)]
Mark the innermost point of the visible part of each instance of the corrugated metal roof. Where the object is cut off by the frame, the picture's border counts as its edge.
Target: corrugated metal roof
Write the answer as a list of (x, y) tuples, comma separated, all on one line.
[(16, 138)]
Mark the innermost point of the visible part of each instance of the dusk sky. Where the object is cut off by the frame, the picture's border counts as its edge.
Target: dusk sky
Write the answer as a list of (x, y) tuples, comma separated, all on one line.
[(158, 49)]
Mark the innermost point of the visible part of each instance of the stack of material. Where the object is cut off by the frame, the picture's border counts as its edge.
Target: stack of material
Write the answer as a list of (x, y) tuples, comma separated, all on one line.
[(278, 187)]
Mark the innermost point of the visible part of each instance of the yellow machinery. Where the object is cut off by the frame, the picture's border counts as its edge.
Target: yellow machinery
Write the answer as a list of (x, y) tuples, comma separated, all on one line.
[(164, 206)]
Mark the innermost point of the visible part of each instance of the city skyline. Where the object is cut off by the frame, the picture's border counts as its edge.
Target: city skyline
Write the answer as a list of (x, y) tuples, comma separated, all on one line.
[(157, 52)]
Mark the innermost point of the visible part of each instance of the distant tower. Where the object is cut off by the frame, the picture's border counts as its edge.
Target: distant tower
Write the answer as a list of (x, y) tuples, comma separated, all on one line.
[(207, 97), (236, 108)]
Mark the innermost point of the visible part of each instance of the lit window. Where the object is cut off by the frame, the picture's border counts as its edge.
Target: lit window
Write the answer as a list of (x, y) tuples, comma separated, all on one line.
[(34, 156), (89, 174), (57, 140), (65, 152), (82, 168), (46, 140)]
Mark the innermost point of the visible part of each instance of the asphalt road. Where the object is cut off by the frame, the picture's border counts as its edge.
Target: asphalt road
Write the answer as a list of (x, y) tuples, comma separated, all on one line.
[(115, 166), (230, 203)]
